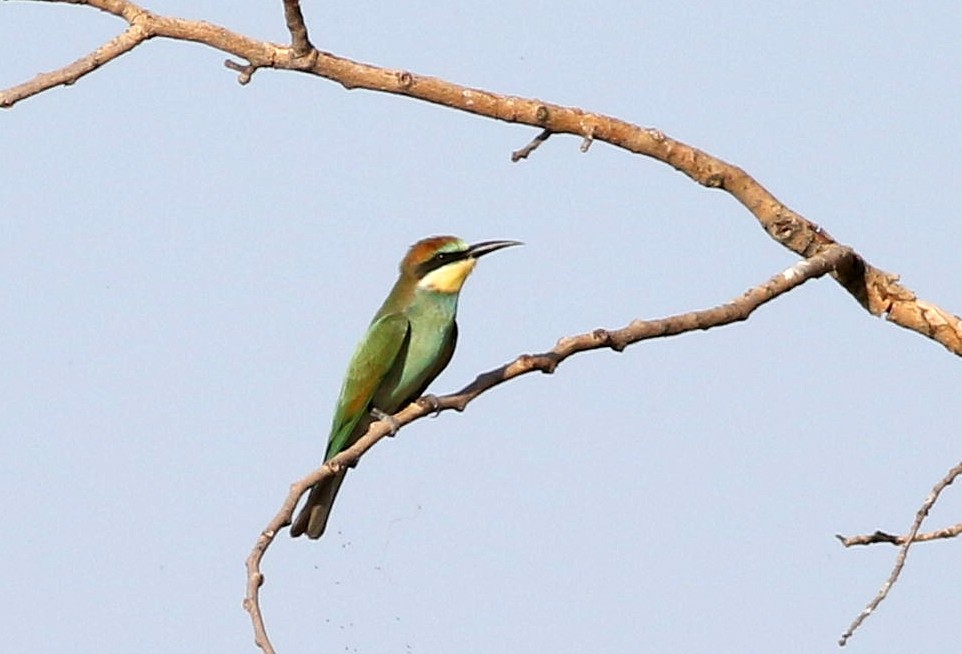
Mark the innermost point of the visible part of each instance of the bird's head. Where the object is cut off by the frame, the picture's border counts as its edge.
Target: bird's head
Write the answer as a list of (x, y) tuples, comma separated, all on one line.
[(442, 263)]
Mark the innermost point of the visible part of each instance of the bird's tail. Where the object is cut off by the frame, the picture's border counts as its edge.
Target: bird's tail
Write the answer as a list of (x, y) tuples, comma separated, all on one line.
[(313, 517)]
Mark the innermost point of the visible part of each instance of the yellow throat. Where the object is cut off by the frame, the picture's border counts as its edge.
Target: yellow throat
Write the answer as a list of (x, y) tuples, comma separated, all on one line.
[(449, 278)]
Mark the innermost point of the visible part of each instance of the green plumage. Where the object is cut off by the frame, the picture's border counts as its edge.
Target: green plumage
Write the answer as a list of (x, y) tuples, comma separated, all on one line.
[(408, 343)]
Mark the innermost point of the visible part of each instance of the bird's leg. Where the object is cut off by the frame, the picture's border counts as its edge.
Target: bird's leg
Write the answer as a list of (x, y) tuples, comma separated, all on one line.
[(392, 422), (433, 402)]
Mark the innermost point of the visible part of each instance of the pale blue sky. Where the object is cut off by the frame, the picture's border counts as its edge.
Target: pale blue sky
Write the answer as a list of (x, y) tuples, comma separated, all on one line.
[(186, 265)]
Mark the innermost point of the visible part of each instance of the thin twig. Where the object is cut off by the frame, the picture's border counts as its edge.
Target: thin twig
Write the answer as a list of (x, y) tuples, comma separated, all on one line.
[(298, 29), (910, 538), (638, 330), (896, 539), (123, 43), (535, 143)]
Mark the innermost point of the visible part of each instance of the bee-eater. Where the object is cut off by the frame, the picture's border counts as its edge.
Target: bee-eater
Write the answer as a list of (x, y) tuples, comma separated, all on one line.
[(408, 343)]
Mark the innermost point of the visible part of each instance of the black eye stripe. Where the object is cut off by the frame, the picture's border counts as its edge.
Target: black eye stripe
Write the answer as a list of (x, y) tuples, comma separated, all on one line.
[(440, 259)]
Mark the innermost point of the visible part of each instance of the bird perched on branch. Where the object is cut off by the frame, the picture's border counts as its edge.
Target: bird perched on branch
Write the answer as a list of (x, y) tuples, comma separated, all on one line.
[(408, 344)]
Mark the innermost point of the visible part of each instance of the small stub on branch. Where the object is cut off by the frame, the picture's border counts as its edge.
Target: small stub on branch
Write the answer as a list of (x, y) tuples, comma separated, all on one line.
[(523, 153), (244, 71)]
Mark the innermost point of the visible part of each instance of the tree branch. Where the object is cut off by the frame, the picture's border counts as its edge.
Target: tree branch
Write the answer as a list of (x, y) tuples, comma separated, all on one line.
[(895, 539), (906, 542), (297, 28), (879, 292), (737, 310), (125, 42)]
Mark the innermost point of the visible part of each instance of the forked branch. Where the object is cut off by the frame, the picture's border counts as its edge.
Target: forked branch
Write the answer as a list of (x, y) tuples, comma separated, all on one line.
[(906, 541)]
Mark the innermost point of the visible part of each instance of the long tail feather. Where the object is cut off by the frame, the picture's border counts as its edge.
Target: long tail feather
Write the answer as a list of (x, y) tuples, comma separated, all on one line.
[(312, 520)]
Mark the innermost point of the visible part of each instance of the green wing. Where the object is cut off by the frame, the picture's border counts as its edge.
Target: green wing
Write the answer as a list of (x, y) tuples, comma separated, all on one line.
[(369, 366), (447, 351)]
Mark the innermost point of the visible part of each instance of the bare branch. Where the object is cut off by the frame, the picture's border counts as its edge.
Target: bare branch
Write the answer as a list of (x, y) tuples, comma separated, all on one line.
[(879, 292), (533, 145), (895, 539), (144, 25), (907, 541), (638, 330), (297, 28), (130, 39)]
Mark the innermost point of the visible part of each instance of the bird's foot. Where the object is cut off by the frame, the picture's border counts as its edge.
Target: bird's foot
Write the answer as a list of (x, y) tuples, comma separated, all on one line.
[(391, 421), (433, 402)]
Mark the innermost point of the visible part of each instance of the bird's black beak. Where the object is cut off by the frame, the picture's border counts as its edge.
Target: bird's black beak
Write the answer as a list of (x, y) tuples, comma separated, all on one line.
[(486, 247)]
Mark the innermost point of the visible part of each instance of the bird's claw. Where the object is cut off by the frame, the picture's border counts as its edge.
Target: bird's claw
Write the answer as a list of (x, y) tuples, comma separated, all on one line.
[(433, 402), (391, 421)]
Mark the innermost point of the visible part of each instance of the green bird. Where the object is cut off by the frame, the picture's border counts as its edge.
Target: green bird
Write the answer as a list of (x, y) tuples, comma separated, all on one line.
[(408, 343)]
